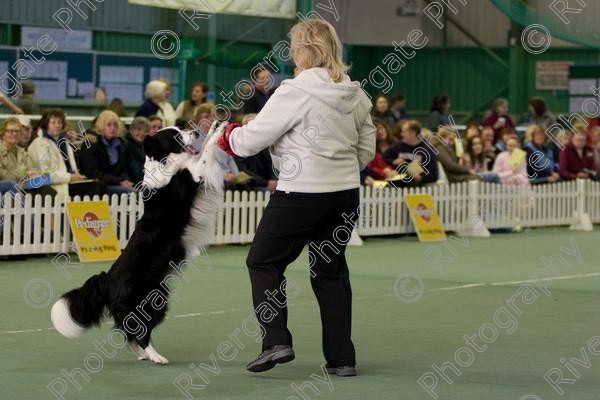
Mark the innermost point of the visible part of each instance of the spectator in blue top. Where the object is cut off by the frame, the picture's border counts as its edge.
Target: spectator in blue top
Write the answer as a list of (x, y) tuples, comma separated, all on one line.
[(541, 162), (411, 147), (398, 110)]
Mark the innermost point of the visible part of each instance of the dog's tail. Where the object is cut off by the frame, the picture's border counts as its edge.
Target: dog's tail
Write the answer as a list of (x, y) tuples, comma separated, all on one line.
[(81, 308)]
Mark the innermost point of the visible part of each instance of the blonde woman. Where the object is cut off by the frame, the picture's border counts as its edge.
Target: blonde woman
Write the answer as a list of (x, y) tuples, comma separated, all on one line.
[(318, 129), (105, 158)]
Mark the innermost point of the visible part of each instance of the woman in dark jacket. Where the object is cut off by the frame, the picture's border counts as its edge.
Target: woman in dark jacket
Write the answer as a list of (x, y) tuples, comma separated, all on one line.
[(440, 113), (105, 158), (134, 148)]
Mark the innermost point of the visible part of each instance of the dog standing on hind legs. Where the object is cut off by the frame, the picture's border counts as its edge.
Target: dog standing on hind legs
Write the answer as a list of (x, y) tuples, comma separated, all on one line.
[(186, 187)]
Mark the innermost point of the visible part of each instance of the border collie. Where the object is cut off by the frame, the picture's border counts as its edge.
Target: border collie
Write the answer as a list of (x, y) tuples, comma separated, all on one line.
[(179, 217)]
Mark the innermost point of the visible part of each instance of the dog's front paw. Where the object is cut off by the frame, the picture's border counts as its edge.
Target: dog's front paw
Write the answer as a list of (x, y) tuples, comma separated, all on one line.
[(154, 356)]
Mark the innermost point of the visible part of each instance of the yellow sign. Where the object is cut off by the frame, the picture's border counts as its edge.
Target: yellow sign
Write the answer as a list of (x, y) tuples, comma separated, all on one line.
[(93, 231), (426, 219)]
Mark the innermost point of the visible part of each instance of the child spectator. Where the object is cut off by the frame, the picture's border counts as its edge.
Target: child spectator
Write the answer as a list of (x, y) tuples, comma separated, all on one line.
[(477, 161), (541, 164), (440, 112), (105, 158), (505, 167), (505, 134), (400, 155), (187, 109), (134, 148), (499, 118), (54, 154), (576, 160)]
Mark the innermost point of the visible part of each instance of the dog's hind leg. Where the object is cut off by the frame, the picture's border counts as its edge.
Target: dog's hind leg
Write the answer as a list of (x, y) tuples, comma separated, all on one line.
[(137, 350)]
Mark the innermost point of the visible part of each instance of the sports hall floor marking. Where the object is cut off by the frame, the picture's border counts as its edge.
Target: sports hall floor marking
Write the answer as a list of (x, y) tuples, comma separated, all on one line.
[(467, 286)]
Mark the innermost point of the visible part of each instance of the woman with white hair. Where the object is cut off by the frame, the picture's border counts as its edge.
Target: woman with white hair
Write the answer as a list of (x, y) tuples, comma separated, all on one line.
[(156, 103), (105, 158), (499, 118), (318, 129)]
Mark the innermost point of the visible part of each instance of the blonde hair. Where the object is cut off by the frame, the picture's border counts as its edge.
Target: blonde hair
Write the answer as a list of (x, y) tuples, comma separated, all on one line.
[(103, 118), (9, 121), (155, 88), (316, 44)]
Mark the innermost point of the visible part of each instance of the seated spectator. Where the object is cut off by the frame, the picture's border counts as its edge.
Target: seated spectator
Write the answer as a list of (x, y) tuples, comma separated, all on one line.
[(378, 169), (471, 131), (542, 167), (167, 112), (505, 134), (260, 168), (402, 154), (187, 109), (576, 160), (398, 110), (505, 167), (203, 119), (156, 124), (539, 113), (156, 103), (499, 118), (134, 148), (595, 133), (447, 157), (263, 86), (381, 110), (440, 112), (27, 102), (477, 161), (105, 158), (54, 154), (487, 139), (26, 130), (116, 105), (16, 164)]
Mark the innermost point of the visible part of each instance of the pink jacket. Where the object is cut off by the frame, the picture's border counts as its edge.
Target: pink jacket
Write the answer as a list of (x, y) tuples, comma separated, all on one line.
[(504, 169)]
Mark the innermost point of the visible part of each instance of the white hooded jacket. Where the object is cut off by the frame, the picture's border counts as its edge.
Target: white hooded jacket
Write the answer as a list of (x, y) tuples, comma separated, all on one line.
[(319, 133)]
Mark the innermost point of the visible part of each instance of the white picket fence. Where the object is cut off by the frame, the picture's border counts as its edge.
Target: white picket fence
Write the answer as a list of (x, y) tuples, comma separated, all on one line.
[(38, 226)]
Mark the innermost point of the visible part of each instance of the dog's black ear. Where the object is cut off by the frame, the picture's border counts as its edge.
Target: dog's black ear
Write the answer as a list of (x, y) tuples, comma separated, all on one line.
[(150, 145)]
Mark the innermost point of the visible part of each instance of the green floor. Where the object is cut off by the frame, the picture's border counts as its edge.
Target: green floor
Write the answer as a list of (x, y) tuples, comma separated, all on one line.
[(397, 342)]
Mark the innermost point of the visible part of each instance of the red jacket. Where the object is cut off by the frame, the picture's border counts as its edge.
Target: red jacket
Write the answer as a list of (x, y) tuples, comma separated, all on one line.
[(570, 163), (377, 165)]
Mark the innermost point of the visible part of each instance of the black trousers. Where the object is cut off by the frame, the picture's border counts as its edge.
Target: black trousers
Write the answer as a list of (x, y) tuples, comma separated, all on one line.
[(289, 222)]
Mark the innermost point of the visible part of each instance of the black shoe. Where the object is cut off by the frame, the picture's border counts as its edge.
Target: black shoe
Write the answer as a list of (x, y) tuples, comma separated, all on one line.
[(346, 370), (277, 354)]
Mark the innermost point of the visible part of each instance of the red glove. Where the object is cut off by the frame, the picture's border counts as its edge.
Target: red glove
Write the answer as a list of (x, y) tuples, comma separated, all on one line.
[(223, 141)]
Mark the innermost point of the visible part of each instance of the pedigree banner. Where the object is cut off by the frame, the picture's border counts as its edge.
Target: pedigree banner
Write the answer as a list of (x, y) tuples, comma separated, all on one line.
[(425, 217), (262, 8), (93, 231)]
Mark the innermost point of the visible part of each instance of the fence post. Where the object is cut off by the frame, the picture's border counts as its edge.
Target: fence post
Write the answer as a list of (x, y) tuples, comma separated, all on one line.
[(474, 225), (582, 221)]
